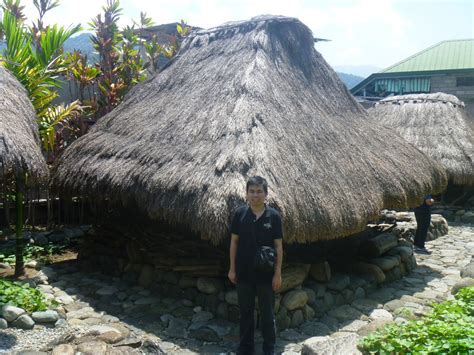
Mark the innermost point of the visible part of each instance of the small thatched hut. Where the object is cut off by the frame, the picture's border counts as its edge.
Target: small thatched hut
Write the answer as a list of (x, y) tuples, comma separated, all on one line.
[(437, 124), (241, 99), (20, 150)]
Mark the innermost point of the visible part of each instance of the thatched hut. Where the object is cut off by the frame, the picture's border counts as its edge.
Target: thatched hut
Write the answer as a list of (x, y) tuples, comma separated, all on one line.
[(241, 99), (20, 151), (438, 125)]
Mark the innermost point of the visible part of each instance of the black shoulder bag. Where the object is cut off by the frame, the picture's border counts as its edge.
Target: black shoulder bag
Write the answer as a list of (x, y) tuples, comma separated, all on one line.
[(264, 261)]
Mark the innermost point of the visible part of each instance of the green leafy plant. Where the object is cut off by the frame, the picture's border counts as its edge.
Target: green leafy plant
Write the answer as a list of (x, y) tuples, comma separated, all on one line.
[(43, 254), (448, 329), (23, 296)]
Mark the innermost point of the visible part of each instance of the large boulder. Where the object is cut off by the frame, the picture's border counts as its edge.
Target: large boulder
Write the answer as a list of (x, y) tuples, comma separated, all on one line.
[(293, 275), (338, 343)]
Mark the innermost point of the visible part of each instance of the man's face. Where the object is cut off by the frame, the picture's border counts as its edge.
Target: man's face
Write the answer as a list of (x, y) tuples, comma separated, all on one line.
[(256, 195)]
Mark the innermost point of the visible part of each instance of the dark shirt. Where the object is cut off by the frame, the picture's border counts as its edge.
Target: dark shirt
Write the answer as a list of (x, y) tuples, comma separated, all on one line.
[(424, 207), (254, 232)]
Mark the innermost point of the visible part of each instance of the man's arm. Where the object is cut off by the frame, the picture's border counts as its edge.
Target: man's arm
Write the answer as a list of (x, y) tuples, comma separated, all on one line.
[(276, 282), (234, 242)]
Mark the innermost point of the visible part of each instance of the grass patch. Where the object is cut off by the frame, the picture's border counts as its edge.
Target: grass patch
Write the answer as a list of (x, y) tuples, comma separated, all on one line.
[(448, 329)]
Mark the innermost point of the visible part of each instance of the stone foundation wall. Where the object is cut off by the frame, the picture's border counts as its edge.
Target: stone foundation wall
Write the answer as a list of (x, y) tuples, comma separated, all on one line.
[(308, 290)]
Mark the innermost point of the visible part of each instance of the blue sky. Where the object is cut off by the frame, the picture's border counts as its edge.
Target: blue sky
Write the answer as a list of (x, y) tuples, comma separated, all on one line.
[(362, 32)]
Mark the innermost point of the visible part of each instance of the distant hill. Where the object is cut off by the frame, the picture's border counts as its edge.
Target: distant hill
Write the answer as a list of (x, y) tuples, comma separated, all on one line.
[(359, 70), (349, 79), (83, 43)]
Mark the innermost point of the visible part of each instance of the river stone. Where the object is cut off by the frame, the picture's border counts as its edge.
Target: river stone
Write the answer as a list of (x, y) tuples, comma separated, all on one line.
[(202, 317), (205, 334), (345, 313), (209, 286), (393, 305), (403, 251), (468, 271), (372, 327), (177, 328), (328, 300), (290, 335), (467, 282), (311, 295), (381, 314), (92, 347), (64, 299), (295, 299), (83, 313), (315, 328), (107, 291), (232, 298), (353, 326), (297, 318), (359, 293), (45, 316), (3, 324), (308, 312), (386, 263), (5, 266), (339, 282), (293, 275), (23, 322), (63, 349), (282, 319), (338, 343), (10, 313)]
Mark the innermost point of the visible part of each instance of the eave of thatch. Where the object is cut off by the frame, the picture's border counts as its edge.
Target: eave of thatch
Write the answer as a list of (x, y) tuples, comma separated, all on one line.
[(438, 125), (20, 151), (243, 99)]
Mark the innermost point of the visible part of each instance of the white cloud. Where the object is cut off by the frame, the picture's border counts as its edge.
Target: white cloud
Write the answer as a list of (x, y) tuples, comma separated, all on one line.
[(362, 31)]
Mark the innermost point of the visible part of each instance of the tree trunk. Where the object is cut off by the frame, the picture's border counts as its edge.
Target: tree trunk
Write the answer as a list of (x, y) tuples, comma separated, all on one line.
[(20, 242)]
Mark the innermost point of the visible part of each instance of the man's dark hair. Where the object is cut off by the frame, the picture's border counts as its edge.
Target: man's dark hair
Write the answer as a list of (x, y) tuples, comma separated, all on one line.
[(257, 181)]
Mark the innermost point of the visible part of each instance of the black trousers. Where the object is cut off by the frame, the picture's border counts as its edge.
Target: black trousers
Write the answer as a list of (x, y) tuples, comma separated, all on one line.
[(423, 220), (266, 301)]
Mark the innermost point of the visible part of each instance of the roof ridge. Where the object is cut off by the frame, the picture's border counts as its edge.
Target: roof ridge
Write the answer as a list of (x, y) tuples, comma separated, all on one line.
[(424, 51)]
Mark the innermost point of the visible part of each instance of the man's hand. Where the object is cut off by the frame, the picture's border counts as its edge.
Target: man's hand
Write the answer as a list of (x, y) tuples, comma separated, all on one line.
[(232, 277), (276, 282)]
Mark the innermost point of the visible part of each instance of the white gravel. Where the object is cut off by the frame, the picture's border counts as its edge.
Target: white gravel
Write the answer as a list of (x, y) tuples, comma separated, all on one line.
[(13, 339)]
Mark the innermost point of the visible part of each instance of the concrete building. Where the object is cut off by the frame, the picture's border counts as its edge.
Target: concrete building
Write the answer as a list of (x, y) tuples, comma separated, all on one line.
[(445, 67)]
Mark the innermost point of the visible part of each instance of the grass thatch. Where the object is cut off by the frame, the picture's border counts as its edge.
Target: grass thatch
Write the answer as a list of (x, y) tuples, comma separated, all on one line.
[(20, 150), (243, 99), (437, 124)]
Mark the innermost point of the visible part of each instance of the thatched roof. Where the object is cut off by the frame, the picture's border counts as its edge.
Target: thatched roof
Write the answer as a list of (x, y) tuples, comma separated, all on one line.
[(19, 142), (243, 99), (437, 124)]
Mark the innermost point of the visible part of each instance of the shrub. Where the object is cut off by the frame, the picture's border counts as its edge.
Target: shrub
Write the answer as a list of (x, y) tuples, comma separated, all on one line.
[(23, 296), (449, 328)]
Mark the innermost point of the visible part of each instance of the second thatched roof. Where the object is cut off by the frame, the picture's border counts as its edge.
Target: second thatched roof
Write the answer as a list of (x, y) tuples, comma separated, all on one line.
[(20, 150), (438, 125), (249, 98)]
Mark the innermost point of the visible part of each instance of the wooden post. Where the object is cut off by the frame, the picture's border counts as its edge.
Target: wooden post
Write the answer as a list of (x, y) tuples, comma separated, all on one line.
[(20, 242)]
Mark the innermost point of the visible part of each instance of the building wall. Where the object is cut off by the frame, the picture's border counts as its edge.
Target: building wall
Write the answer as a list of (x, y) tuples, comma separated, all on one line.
[(447, 83)]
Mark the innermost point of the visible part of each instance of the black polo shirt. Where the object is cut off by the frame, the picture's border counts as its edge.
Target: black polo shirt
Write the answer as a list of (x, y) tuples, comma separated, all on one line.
[(254, 232)]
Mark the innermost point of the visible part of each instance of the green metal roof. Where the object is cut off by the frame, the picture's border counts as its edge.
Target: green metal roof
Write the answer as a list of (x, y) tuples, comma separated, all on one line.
[(446, 55)]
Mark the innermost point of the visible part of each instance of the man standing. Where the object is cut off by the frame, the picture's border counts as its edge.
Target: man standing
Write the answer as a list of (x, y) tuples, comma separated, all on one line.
[(423, 220), (253, 226)]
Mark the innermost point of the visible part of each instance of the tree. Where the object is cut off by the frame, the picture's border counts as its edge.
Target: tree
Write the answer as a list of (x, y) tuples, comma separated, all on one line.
[(34, 56)]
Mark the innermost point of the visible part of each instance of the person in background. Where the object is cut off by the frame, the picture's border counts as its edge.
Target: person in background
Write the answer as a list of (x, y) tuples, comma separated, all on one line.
[(423, 220)]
